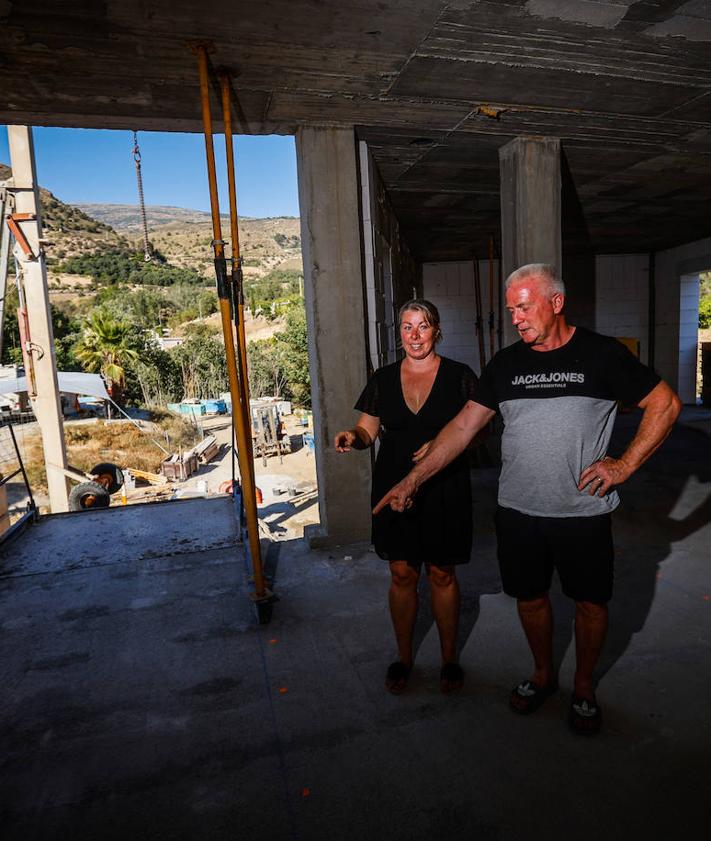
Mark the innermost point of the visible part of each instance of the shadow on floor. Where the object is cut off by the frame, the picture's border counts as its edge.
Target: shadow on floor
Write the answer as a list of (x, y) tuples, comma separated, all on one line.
[(140, 699), (662, 505)]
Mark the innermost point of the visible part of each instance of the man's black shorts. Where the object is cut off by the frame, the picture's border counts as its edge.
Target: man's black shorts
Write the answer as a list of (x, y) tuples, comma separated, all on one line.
[(580, 548)]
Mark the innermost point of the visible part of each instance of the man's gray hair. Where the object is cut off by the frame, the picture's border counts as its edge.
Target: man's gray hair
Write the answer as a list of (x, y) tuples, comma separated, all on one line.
[(540, 270)]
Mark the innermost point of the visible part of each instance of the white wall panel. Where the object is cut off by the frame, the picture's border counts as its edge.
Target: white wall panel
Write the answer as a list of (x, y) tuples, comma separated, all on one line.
[(621, 299), (450, 286)]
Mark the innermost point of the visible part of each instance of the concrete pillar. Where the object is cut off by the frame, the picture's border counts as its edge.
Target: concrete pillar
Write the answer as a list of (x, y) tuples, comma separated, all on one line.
[(331, 248), (530, 206), (46, 403)]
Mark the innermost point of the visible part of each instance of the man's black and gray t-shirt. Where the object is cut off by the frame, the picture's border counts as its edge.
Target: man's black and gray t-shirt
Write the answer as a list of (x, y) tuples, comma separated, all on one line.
[(559, 408)]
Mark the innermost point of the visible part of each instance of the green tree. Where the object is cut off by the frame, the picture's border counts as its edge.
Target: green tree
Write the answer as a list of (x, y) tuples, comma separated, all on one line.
[(125, 266), (11, 351), (266, 369), (143, 307), (705, 312), (203, 368), (66, 329), (106, 347), (293, 348), (279, 367), (190, 303), (156, 376)]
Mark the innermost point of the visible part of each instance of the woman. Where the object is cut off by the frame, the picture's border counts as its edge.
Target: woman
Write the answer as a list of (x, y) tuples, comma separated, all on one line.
[(407, 404)]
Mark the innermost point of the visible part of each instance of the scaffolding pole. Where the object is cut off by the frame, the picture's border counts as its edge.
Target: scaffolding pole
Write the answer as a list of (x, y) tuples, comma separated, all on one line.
[(237, 277), (240, 404)]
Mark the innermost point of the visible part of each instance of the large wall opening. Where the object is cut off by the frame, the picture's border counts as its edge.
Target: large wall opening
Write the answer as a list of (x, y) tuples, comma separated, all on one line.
[(151, 327)]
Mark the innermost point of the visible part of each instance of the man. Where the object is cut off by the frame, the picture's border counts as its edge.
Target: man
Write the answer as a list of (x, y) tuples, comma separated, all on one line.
[(557, 390)]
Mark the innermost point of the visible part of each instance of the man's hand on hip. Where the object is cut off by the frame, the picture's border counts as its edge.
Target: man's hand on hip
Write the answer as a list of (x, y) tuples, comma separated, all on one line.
[(603, 475)]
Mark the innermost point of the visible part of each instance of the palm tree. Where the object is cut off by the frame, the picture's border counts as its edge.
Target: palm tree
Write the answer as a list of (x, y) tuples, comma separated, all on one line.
[(104, 347)]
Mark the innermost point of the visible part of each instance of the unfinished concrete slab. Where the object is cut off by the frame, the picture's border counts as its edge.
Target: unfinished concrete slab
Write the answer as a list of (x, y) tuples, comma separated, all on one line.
[(612, 80), (141, 700)]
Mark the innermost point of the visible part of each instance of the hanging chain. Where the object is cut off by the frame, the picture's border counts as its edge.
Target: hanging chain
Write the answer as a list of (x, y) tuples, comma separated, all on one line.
[(139, 180)]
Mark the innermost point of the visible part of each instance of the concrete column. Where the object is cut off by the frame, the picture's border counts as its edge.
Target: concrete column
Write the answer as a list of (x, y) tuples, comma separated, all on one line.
[(46, 403), (333, 274), (530, 206)]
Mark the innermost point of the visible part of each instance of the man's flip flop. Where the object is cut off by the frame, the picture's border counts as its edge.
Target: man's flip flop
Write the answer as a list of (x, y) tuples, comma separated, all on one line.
[(396, 677), (451, 678), (528, 696), (585, 716)]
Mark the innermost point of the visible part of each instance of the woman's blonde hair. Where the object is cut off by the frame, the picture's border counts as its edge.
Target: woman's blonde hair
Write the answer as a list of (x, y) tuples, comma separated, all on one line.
[(428, 309)]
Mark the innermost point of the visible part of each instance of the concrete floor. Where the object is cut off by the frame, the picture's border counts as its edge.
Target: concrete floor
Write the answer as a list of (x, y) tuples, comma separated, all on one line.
[(140, 700)]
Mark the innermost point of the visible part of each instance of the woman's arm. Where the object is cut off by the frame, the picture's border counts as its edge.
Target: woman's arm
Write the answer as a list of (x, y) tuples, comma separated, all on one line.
[(360, 437)]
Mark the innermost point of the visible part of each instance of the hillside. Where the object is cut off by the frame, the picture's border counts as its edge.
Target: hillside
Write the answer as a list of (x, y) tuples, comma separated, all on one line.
[(181, 235), (184, 236), (70, 231), (265, 244), (127, 216), (94, 249)]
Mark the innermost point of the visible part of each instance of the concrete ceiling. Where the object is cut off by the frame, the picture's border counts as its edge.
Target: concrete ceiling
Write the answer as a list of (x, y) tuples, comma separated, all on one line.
[(625, 85)]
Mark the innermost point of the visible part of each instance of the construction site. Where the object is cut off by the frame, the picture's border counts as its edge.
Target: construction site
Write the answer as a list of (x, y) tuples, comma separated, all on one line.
[(212, 666)]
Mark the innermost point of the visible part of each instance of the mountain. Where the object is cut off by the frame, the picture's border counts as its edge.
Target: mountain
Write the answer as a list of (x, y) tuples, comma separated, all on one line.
[(128, 216), (71, 232), (182, 235), (265, 244)]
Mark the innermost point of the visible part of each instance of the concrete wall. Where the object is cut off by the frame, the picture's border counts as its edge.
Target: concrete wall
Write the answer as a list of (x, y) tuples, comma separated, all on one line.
[(335, 311), (391, 274), (621, 297), (450, 286), (621, 307)]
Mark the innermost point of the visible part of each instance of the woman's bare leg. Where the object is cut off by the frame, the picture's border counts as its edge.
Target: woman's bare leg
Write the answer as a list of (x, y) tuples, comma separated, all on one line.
[(445, 607), (403, 606)]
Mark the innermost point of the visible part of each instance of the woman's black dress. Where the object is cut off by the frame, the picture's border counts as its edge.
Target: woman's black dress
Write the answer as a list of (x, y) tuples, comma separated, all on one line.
[(438, 527)]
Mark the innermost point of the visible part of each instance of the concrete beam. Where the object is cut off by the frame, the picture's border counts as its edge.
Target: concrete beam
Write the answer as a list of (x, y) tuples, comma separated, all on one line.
[(45, 403), (333, 273), (530, 206)]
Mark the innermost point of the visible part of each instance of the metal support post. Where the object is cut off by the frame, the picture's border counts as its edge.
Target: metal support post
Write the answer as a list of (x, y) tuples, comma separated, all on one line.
[(237, 277), (240, 406)]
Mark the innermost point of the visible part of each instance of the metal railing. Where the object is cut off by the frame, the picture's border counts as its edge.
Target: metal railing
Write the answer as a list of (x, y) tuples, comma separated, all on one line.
[(31, 512)]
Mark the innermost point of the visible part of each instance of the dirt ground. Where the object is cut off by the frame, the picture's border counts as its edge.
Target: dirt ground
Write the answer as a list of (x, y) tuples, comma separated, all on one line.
[(288, 486)]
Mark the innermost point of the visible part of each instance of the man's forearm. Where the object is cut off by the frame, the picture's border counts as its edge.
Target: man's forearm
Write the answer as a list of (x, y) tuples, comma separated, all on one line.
[(451, 442), (660, 411)]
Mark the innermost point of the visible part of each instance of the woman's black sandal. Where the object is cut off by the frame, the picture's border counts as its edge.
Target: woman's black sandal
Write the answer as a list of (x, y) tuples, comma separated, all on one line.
[(396, 677), (451, 678)]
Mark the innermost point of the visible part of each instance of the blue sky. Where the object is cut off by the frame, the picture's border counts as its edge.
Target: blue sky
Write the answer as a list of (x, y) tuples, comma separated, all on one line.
[(87, 165)]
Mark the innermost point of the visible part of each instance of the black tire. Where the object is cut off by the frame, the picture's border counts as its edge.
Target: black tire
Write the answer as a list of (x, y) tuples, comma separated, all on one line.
[(108, 475), (87, 495)]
